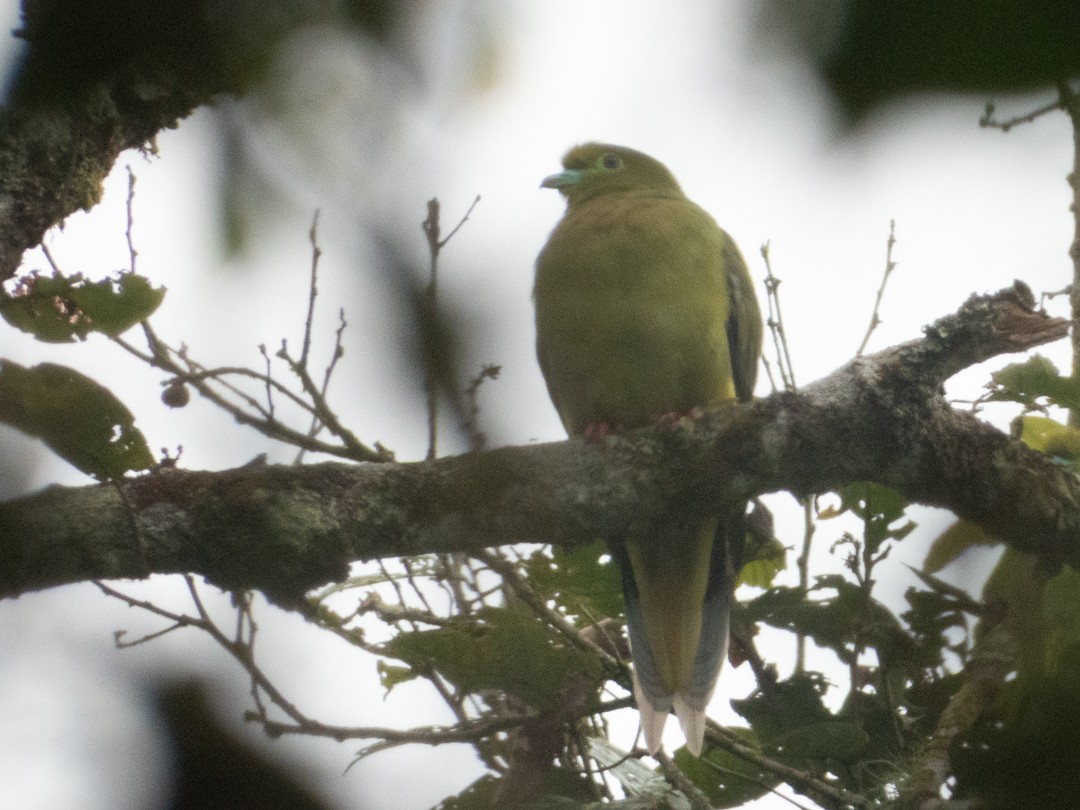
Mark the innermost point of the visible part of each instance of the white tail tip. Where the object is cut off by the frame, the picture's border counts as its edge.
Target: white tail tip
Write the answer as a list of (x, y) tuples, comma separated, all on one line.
[(693, 724), (653, 719)]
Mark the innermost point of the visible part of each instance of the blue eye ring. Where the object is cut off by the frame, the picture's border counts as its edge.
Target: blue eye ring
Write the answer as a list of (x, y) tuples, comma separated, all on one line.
[(611, 161)]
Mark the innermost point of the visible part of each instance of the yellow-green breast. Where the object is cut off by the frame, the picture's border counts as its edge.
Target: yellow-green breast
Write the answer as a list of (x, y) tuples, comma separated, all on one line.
[(632, 308)]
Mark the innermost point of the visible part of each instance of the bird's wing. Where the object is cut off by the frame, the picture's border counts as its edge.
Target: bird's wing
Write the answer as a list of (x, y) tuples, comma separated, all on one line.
[(744, 327)]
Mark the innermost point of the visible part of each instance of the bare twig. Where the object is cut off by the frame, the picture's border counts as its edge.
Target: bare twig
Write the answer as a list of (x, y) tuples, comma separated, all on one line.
[(271, 383), (49, 258), (339, 351), (246, 409), (477, 439), (775, 323), (802, 563), (132, 253), (410, 577), (890, 265), (432, 231), (221, 372), (320, 406), (177, 363), (988, 121), (313, 289), (241, 648), (178, 620)]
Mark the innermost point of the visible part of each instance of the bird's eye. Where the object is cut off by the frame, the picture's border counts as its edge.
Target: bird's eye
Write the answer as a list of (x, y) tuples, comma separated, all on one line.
[(611, 161)]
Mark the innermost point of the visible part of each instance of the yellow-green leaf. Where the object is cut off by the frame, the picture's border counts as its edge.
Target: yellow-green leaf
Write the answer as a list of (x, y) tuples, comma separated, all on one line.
[(953, 542)]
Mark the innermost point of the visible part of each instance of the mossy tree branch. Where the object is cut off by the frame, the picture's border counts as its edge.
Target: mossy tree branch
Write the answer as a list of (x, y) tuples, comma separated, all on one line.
[(108, 78), (286, 529)]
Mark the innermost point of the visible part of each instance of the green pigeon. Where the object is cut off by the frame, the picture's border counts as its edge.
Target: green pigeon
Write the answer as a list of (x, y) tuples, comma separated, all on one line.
[(645, 308)]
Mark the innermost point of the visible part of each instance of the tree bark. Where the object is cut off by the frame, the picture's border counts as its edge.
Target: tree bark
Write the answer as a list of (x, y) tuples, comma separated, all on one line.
[(286, 529)]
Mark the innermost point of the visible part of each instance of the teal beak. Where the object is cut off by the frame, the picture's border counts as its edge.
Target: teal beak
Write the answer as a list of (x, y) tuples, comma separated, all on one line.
[(570, 177)]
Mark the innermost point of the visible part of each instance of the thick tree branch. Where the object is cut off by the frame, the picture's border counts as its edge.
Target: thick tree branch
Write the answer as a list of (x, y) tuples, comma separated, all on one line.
[(106, 78), (284, 530)]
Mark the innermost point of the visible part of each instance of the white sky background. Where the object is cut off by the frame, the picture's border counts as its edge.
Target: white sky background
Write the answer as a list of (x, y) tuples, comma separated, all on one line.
[(494, 96)]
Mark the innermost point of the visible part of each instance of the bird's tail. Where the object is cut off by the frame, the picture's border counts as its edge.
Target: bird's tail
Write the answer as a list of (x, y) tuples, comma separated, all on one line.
[(677, 586)]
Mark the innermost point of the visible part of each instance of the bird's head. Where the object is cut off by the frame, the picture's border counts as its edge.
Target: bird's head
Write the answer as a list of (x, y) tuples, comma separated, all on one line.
[(592, 169)]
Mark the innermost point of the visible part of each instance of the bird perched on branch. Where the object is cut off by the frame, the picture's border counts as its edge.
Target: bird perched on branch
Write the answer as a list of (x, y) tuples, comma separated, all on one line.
[(644, 308)]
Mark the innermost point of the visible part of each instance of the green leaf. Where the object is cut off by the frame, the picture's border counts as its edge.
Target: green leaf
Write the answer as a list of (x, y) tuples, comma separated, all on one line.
[(793, 704), (583, 581), (761, 573), (931, 616), (561, 790), (880, 736), (78, 418), (505, 650), (953, 542), (867, 499), (480, 795), (1060, 442), (1013, 594), (726, 778), (1034, 379), (834, 622), (1061, 612), (390, 675), (819, 742), (59, 309), (878, 507)]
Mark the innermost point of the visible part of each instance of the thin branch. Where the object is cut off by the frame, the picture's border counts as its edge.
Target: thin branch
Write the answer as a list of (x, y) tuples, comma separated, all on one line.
[(775, 322), (819, 791), (339, 352), (410, 577), (988, 121), (313, 289), (432, 232), (681, 782), (162, 356), (462, 221), (732, 774), (890, 265), (270, 383), (524, 591), (49, 258), (430, 227), (1070, 101), (132, 253), (322, 409), (471, 731), (221, 372), (802, 564), (178, 619)]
